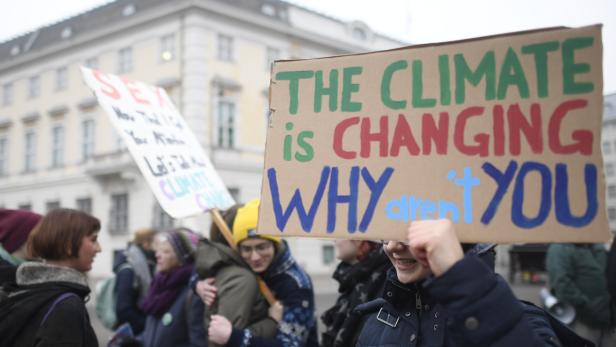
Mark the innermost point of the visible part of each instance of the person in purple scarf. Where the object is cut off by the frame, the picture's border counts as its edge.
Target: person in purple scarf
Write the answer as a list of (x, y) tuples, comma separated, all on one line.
[(174, 312)]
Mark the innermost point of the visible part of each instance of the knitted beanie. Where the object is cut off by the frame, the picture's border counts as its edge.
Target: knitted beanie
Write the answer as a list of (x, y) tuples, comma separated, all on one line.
[(15, 226), (184, 243), (245, 223)]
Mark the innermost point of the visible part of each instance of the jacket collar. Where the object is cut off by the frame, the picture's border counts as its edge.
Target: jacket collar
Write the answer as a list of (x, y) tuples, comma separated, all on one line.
[(406, 296), (32, 273)]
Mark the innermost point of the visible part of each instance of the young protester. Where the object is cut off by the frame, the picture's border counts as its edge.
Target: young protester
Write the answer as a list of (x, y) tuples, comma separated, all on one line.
[(270, 258), (15, 226), (238, 297), (47, 306), (577, 275), (134, 268), (361, 277), (174, 312), (436, 295)]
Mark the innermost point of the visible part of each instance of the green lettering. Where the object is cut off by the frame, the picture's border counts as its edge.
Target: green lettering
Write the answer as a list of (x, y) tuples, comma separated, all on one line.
[(307, 147), (511, 73), (293, 77), (418, 99), (320, 90), (445, 79), (386, 85), (540, 51), (348, 88), (485, 68), (570, 68)]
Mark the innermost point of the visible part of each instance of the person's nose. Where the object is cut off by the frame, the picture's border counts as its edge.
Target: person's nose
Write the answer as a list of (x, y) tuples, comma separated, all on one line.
[(254, 255)]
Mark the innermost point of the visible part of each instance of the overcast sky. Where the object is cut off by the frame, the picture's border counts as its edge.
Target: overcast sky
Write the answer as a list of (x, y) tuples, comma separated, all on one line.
[(415, 21)]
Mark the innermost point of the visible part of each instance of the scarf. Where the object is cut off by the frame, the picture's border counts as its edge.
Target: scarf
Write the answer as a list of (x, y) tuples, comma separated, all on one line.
[(165, 288)]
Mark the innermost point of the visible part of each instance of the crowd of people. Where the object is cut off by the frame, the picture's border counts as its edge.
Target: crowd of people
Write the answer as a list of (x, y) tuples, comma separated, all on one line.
[(179, 288)]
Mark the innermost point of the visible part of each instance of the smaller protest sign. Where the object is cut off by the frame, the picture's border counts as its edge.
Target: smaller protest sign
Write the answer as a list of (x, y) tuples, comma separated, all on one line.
[(166, 151)]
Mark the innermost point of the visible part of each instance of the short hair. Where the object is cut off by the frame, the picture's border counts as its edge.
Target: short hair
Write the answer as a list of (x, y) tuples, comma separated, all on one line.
[(59, 234), (229, 217), (145, 235)]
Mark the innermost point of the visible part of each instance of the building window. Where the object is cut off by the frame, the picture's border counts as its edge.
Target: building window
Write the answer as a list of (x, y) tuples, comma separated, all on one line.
[(611, 191), (607, 149), (225, 123), (30, 151), (87, 145), (118, 215), (271, 55), (4, 156), (235, 193), (26, 206), (57, 146), (167, 48), (52, 205), (225, 47), (61, 78), (160, 219), (328, 254), (34, 87), (125, 60), (7, 94), (611, 213), (84, 205), (609, 170), (92, 63)]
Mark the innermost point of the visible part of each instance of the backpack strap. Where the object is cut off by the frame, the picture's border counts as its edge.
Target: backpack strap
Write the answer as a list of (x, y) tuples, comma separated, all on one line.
[(59, 299)]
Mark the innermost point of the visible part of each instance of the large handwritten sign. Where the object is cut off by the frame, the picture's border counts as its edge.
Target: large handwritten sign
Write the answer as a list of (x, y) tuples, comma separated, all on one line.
[(163, 146), (499, 134)]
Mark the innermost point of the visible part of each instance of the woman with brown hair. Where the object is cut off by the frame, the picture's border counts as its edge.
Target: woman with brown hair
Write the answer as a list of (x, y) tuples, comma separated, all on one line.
[(47, 306)]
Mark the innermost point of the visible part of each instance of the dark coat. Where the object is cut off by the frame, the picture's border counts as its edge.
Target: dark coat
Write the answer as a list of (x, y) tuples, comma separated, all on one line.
[(238, 297), (180, 326), (358, 283), (291, 286), (455, 309), (577, 276), (22, 314), (129, 290)]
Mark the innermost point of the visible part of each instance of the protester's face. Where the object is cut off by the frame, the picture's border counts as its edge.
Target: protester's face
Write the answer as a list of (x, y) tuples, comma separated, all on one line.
[(165, 256), (87, 251), (347, 250), (407, 268), (258, 253)]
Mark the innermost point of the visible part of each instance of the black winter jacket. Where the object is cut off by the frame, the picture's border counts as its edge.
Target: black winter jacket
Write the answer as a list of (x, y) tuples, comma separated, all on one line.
[(28, 316), (469, 305)]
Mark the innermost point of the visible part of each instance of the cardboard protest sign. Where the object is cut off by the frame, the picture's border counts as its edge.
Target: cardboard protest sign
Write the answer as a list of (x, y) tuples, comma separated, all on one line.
[(499, 134), (166, 151)]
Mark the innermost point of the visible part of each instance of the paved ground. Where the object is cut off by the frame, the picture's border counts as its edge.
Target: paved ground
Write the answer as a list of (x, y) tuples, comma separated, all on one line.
[(325, 293)]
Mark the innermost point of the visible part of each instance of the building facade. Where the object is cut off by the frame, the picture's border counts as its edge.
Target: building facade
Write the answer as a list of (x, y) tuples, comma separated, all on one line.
[(608, 146), (58, 149)]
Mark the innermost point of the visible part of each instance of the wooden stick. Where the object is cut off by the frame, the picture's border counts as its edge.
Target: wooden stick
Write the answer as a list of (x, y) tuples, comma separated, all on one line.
[(228, 235)]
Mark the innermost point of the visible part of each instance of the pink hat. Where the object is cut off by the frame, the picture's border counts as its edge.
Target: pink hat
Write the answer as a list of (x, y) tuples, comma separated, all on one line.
[(15, 226)]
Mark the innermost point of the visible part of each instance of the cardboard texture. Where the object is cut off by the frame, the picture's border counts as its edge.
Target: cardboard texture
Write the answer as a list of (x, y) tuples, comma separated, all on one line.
[(500, 134), (166, 151)]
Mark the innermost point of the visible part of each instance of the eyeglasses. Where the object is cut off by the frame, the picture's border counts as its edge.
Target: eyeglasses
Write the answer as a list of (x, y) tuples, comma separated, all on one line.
[(385, 243), (261, 249)]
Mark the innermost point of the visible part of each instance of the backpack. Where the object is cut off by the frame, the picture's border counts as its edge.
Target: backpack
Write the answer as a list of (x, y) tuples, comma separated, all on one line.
[(106, 299)]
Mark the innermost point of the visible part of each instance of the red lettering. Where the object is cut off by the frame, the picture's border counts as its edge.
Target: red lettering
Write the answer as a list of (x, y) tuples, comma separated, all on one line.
[(519, 124), (162, 102), (583, 138), (134, 91), (498, 127), (102, 79), (339, 137), (403, 137), (482, 139), (431, 133), (367, 137)]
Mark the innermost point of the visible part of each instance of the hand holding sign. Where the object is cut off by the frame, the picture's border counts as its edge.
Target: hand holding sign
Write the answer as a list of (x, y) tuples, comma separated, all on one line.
[(434, 243)]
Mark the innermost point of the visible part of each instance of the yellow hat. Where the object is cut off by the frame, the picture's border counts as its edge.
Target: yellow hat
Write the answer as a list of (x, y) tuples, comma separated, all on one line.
[(245, 223)]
